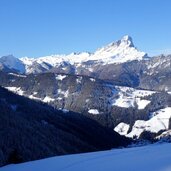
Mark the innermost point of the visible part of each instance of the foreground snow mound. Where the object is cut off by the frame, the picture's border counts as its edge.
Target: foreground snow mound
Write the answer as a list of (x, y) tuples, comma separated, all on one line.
[(147, 158)]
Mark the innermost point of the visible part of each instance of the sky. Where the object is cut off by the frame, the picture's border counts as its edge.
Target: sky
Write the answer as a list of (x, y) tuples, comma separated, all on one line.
[(36, 28)]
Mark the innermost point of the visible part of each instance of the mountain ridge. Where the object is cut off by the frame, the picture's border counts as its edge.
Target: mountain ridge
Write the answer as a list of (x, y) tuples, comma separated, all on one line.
[(114, 53), (110, 93)]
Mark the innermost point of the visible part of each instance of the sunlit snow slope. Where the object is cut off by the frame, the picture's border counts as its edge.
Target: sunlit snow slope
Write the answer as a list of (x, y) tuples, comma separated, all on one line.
[(146, 158)]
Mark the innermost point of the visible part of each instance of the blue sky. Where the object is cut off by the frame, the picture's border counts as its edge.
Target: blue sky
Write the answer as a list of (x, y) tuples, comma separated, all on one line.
[(43, 27)]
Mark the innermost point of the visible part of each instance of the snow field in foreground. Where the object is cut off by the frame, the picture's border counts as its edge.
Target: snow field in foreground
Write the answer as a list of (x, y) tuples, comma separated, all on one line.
[(155, 157)]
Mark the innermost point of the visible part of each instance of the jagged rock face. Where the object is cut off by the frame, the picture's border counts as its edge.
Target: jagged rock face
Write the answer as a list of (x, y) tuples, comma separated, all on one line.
[(126, 74), (153, 74), (157, 76)]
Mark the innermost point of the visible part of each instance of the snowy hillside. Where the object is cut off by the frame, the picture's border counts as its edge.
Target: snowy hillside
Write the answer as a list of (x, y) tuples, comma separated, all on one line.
[(114, 96), (159, 121), (147, 158), (129, 109), (129, 97)]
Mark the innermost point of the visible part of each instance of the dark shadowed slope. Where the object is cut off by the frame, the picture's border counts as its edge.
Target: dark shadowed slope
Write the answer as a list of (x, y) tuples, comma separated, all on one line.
[(31, 130)]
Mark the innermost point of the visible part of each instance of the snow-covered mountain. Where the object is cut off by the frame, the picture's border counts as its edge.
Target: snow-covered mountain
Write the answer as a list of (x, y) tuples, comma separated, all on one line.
[(117, 80), (13, 63), (119, 62), (119, 87), (117, 52)]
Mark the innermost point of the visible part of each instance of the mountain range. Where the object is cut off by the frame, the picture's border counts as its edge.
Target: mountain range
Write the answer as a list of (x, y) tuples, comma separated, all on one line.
[(117, 52), (119, 62), (118, 87)]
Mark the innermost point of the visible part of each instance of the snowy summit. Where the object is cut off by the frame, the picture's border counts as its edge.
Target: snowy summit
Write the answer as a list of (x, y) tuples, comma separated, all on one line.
[(116, 52)]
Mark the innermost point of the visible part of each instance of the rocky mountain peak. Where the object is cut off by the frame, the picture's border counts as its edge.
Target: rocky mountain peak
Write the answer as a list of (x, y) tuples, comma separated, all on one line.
[(126, 41), (12, 62)]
